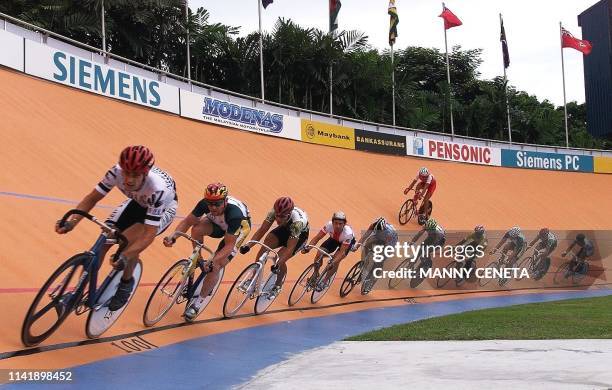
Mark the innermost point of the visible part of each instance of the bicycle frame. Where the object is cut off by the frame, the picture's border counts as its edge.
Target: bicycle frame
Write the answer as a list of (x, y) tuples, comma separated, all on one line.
[(193, 258), (261, 261)]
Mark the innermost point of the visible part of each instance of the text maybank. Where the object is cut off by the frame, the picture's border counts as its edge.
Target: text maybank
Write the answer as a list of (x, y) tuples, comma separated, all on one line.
[(327, 134)]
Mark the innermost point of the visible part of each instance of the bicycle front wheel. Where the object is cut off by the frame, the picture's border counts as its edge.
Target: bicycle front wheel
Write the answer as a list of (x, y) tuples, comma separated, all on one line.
[(350, 280), (44, 317), (323, 284), (302, 286), (167, 291), (406, 212), (405, 264), (242, 289), (487, 279), (443, 279)]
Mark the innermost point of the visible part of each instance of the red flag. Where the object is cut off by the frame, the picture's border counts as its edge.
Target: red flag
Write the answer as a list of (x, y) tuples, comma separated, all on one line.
[(450, 19), (568, 40)]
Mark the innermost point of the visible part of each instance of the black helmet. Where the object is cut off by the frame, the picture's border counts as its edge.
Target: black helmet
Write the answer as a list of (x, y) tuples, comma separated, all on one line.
[(580, 237)]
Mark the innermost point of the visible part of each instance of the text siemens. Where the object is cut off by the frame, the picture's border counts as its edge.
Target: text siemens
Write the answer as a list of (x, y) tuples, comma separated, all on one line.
[(458, 152), (248, 116), (88, 75), (559, 163)]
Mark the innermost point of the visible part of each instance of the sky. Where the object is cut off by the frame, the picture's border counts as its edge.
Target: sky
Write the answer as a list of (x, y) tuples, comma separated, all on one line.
[(532, 31)]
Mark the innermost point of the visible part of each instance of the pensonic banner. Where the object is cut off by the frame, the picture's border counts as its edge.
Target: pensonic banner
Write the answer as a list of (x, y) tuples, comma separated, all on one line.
[(453, 151)]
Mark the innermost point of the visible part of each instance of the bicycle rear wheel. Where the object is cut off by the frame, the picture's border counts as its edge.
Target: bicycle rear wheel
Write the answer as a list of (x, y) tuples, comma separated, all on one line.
[(165, 294), (40, 322), (406, 212), (441, 281), (562, 273), (208, 298), (526, 263), (350, 280), (484, 281), (581, 272), (301, 286), (242, 289), (263, 301), (322, 286), (405, 264)]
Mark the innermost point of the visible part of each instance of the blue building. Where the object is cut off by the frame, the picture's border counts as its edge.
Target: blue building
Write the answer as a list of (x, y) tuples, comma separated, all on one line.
[(596, 24)]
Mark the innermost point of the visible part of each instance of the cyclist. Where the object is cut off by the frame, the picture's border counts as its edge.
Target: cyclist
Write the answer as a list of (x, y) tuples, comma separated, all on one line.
[(218, 215), (476, 239), (340, 236), (290, 234), (436, 236), (586, 250), (383, 233), (426, 187), (516, 243), (148, 211)]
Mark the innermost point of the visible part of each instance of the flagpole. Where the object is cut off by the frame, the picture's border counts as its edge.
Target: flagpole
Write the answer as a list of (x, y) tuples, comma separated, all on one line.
[(331, 85), (261, 64), (450, 103), (393, 84), (506, 89), (103, 31), (563, 72), (188, 43)]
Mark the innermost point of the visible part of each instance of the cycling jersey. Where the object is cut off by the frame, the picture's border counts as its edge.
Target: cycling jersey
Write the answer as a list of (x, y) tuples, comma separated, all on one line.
[(475, 240), (231, 220), (297, 222), (587, 249), (344, 237), (550, 241), (429, 180), (157, 193), (437, 235), (519, 240)]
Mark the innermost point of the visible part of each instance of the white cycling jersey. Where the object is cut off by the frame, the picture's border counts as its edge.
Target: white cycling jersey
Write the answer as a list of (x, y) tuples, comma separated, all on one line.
[(344, 237), (157, 193)]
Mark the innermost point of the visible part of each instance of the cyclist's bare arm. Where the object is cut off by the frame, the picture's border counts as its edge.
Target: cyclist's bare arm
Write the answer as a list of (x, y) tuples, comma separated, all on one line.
[(226, 251), (142, 242), (86, 204), (569, 248), (341, 252), (182, 227), (410, 186), (315, 240), (265, 226)]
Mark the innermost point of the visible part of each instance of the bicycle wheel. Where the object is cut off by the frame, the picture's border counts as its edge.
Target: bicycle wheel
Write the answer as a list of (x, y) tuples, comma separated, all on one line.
[(406, 212), (562, 273), (351, 279), (101, 318), (581, 272), (301, 286), (484, 281), (242, 289), (541, 268), (442, 280), (405, 264), (263, 301), (208, 298), (167, 291), (424, 265), (40, 323), (322, 285), (525, 263), (367, 277)]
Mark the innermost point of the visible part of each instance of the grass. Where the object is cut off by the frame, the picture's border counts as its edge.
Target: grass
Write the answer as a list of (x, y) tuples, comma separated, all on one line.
[(588, 318)]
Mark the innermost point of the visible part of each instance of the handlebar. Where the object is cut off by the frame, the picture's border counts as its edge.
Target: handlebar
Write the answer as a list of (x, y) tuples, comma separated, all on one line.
[(276, 256), (121, 240), (196, 242), (323, 252)]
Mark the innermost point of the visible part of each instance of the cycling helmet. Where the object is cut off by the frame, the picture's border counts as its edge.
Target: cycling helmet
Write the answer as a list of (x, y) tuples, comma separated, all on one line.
[(514, 232), (283, 206), (431, 224), (339, 216), (380, 224), (423, 172), (137, 159), (215, 192), (543, 232), (580, 238), (479, 230)]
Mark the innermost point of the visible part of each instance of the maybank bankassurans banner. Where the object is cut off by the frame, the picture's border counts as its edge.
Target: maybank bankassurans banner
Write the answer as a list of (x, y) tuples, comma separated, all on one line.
[(372, 141), (65, 68), (220, 112), (453, 151), (547, 161), (327, 134)]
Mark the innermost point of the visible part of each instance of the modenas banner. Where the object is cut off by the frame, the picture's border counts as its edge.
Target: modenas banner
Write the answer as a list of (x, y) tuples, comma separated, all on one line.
[(224, 113), (380, 142), (322, 133), (453, 151), (65, 68), (547, 161)]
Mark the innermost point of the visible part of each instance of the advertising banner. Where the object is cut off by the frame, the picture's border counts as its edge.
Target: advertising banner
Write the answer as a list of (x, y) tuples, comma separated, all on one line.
[(546, 161), (65, 68), (328, 134), (224, 113), (372, 141), (602, 164), (454, 151), (11, 50)]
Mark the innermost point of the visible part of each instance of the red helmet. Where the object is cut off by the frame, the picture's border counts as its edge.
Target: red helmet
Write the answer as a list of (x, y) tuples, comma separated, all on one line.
[(283, 206), (215, 191), (138, 159)]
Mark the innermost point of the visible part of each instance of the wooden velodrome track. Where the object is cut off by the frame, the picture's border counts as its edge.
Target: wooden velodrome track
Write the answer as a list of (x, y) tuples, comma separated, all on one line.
[(57, 143)]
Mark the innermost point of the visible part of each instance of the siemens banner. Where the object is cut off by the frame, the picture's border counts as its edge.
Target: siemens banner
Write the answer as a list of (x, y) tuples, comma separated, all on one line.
[(547, 161), (65, 68)]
